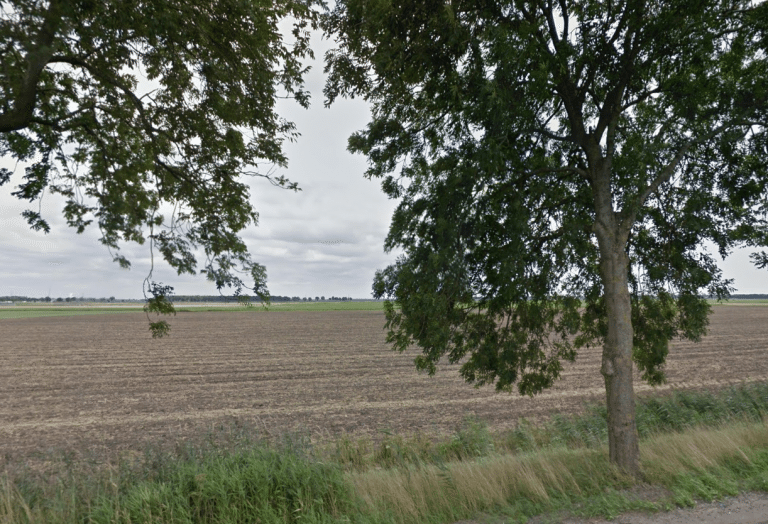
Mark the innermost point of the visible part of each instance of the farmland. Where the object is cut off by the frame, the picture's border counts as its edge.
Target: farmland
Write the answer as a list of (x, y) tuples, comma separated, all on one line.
[(100, 384)]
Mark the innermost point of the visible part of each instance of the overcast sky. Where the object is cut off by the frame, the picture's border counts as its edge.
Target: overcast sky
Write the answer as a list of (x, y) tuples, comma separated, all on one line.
[(325, 240)]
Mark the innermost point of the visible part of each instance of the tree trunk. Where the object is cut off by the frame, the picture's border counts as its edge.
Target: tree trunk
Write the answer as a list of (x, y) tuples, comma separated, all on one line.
[(623, 445)]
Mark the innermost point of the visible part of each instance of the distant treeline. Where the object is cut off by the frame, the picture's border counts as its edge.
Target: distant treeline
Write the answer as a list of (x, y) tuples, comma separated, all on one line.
[(15, 298), (220, 298), (174, 298), (747, 297), (273, 298)]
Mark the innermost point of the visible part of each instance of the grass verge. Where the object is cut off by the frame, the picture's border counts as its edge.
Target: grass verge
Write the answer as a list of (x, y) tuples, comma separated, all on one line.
[(37, 312), (8, 312), (696, 464), (694, 446), (673, 412)]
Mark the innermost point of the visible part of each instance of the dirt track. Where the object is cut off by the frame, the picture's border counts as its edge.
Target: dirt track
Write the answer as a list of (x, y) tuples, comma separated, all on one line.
[(748, 508), (100, 383)]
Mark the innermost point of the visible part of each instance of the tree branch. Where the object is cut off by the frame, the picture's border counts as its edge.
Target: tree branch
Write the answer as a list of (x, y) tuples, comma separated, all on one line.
[(551, 23), (147, 125), (57, 124), (76, 61), (37, 58), (628, 216), (564, 9), (641, 98), (569, 169), (551, 135), (620, 27), (612, 104)]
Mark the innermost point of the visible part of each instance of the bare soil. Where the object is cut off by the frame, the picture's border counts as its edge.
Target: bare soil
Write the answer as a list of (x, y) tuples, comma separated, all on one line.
[(747, 508), (100, 384)]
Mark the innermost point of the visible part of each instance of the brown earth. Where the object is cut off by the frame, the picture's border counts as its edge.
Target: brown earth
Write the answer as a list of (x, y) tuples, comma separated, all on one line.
[(746, 508), (101, 384)]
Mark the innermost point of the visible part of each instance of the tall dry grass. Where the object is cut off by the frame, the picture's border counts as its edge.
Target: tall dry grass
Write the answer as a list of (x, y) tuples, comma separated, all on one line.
[(695, 445), (548, 477)]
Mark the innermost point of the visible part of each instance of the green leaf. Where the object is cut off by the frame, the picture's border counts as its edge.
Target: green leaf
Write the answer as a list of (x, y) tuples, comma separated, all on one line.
[(74, 106), (551, 161)]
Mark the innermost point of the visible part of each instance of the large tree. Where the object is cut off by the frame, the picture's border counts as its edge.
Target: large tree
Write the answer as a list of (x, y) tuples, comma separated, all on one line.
[(135, 108), (562, 167)]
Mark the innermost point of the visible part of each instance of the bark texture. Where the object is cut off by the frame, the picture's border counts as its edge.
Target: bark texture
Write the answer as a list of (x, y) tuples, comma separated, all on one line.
[(617, 365), (612, 235)]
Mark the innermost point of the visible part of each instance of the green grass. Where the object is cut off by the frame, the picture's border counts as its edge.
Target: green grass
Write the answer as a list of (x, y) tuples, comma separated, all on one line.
[(66, 311), (740, 302), (674, 412), (258, 482), (369, 305), (699, 464), (694, 446), (29, 311), (261, 484), (677, 411)]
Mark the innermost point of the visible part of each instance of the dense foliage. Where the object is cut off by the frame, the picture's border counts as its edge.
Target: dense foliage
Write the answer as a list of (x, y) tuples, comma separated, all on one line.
[(562, 168), (146, 115), (490, 122)]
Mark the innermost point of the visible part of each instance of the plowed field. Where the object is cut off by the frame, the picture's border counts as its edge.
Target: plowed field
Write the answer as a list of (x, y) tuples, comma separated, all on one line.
[(101, 383)]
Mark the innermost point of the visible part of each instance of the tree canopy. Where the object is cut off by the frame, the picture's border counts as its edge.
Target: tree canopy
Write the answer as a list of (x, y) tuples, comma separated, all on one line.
[(561, 168), (146, 115)]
